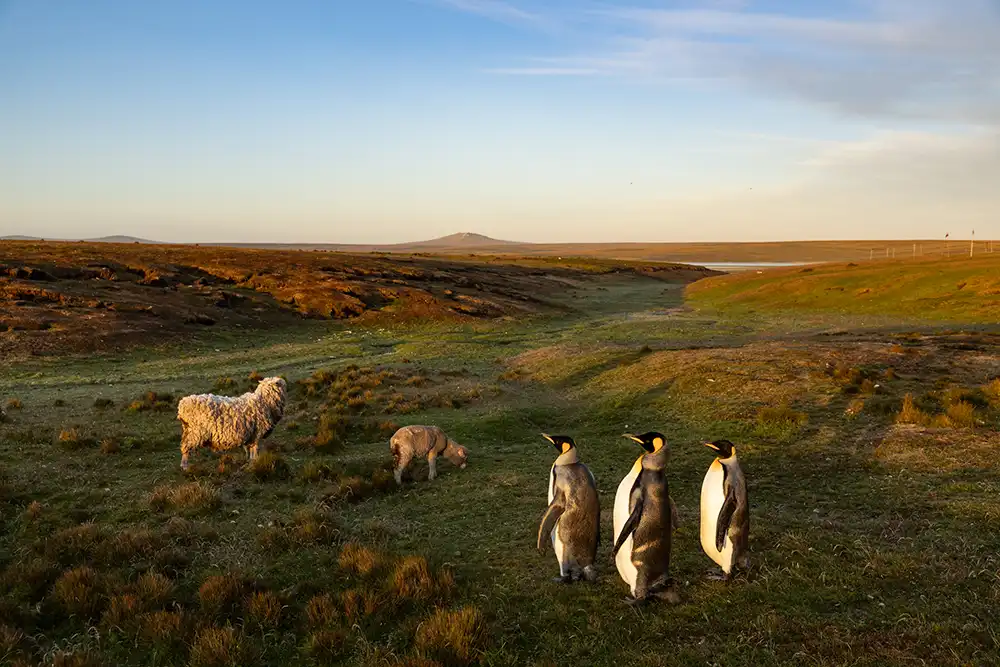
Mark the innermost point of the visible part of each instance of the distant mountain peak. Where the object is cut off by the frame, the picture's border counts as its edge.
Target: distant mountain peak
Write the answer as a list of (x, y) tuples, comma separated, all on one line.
[(463, 239)]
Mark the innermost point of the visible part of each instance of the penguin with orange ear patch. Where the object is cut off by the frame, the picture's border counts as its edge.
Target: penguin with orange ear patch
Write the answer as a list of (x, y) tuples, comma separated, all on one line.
[(644, 521), (573, 518), (725, 512)]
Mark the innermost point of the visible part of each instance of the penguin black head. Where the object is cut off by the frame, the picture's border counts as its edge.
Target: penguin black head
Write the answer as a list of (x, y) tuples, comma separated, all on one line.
[(724, 448), (563, 443), (651, 441)]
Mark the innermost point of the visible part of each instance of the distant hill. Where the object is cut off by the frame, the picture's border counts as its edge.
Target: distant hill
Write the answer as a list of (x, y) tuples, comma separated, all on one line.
[(460, 240), (101, 239)]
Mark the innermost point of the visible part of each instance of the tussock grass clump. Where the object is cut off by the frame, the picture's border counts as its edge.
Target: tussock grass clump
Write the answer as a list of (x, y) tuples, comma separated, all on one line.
[(103, 403), (309, 526), (75, 544), (74, 659), (13, 643), (361, 560), (315, 471), (59, 403), (110, 446), (332, 432), (33, 512), (322, 611), (223, 384), (152, 400), (220, 647), (412, 579), (221, 594), (453, 637), (269, 466), (14, 404), (70, 438), (911, 414), (122, 613), (153, 590), (264, 610), (781, 421), (79, 592), (327, 645), (359, 604), (190, 498), (961, 414), (255, 376), (992, 392), (164, 629)]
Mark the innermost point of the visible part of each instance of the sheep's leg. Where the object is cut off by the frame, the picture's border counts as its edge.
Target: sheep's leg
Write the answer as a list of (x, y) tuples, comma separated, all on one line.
[(401, 465), (432, 464), (253, 450)]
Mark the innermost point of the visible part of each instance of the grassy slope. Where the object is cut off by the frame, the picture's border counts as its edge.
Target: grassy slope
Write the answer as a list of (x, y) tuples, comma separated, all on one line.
[(860, 559), (956, 290)]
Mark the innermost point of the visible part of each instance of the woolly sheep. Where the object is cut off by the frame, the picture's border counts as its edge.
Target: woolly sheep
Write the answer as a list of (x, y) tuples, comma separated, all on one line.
[(429, 441), (228, 422)]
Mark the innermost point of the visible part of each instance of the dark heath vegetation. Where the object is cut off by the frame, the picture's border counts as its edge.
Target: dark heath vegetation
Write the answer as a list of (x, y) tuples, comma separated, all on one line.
[(866, 425)]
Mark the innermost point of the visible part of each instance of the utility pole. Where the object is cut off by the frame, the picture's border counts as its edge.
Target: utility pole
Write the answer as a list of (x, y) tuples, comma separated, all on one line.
[(972, 243)]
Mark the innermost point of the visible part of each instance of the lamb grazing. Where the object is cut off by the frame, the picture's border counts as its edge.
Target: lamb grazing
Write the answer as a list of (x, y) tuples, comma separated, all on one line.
[(429, 441), (228, 422)]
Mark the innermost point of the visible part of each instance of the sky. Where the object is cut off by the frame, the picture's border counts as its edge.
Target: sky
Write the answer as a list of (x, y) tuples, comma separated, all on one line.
[(378, 121)]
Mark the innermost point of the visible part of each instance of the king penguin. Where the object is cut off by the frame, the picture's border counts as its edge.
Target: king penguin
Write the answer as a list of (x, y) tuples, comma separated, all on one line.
[(725, 514), (644, 520), (574, 515)]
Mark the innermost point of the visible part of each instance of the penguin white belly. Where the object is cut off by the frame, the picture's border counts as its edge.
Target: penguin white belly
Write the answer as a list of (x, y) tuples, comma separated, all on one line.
[(623, 560), (712, 500), (557, 544)]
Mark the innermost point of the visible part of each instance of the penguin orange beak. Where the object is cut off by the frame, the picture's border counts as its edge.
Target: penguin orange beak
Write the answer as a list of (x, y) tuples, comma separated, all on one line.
[(632, 436), (548, 437), (711, 445)]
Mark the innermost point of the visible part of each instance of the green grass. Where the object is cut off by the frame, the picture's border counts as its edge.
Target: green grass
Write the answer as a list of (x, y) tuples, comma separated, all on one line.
[(959, 289), (873, 543)]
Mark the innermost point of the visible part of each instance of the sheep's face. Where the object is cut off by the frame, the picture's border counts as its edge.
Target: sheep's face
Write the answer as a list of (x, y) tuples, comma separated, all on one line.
[(461, 456)]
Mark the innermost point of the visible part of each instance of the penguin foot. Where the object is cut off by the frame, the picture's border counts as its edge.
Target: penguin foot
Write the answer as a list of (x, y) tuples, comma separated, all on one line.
[(717, 575), (590, 573), (636, 602)]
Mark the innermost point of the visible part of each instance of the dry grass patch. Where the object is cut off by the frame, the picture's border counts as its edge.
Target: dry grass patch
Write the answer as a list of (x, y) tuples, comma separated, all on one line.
[(162, 628), (315, 471), (152, 401), (75, 544), (412, 579), (71, 438), (122, 613), (915, 448), (309, 526), (79, 592), (14, 404), (361, 560), (327, 645), (453, 637), (221, 594), (188, 498), (264, 610), (153, 590), (780, 421), (74, 659), (33, 512), (322, 611), (220, 647), (110, 446), (103, 403), (269, 466)]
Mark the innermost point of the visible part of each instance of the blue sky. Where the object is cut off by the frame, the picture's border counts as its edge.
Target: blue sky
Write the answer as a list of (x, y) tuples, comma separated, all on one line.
[(546, 120)]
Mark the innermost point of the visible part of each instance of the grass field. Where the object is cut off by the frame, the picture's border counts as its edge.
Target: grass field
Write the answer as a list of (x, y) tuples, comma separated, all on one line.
[(869, 446), (959, 290)]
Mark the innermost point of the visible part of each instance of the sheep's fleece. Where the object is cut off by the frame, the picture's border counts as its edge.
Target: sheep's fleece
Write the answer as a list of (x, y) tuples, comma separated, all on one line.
[(227, 422)]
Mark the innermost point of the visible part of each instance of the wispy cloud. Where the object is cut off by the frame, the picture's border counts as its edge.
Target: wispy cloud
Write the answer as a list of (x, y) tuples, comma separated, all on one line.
[(496, 10), (918, 58)]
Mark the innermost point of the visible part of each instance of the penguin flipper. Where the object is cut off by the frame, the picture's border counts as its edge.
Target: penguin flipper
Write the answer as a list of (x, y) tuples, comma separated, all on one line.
[(725, 518), (548, 524), (630, 526)]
